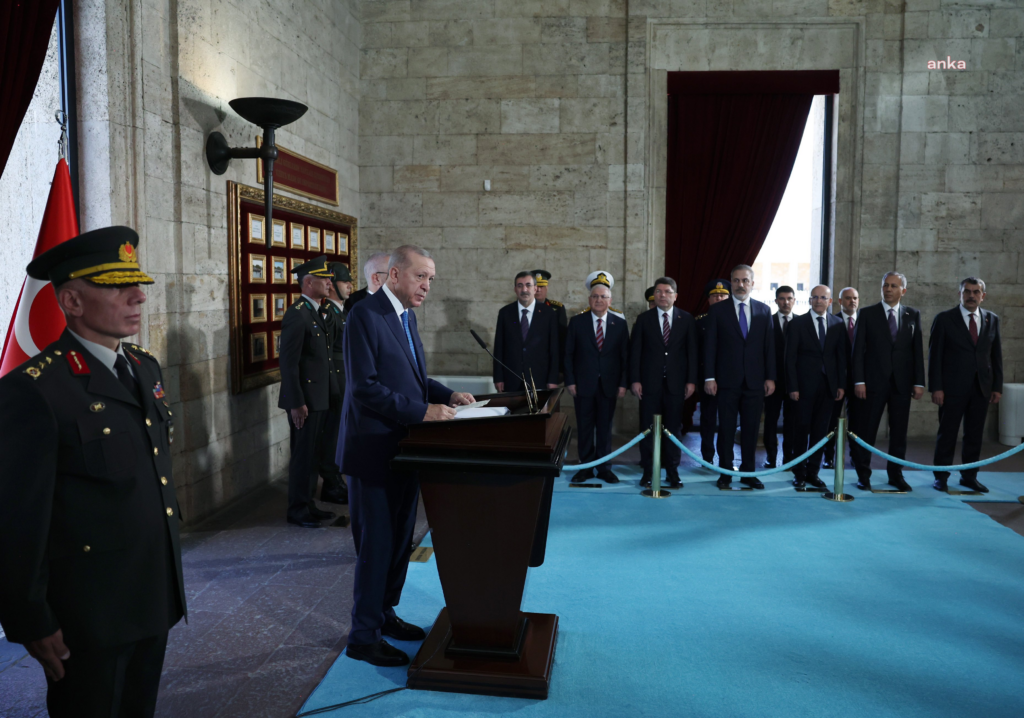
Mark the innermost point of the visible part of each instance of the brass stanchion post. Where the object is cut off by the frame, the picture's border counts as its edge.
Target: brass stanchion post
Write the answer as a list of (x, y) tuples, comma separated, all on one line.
[(837, 493), (655, 492)]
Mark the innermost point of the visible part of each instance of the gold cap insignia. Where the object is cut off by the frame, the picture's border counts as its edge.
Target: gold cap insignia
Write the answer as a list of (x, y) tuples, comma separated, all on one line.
[(719, 289), (601, 278), (126, 253), (33, 372)]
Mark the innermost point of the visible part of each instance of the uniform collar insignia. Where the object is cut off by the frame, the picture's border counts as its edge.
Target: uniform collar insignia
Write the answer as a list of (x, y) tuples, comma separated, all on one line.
[(77, 363)]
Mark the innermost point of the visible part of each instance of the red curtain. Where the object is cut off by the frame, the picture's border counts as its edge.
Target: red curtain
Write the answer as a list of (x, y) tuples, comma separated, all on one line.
[(25, 27), (732, 141)]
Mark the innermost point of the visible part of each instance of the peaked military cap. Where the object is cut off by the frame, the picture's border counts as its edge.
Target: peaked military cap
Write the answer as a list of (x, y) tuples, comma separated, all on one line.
[(317, 267), (599, 277), (649, 294), (717, 286), (541, 277), (340, 271), (106, 256)]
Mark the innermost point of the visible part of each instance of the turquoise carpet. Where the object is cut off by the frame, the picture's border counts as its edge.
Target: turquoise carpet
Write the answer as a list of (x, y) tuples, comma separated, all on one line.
[(774, 604)]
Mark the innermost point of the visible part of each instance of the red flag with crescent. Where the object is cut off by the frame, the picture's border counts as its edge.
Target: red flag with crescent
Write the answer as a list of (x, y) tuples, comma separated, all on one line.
[(37, 320)]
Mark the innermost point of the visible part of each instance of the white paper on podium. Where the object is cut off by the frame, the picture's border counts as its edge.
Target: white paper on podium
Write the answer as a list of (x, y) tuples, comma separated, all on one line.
[(474, 405), (480, 412)]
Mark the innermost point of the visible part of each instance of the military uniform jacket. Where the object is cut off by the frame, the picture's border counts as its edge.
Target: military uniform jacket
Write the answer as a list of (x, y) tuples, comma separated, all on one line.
[(307, 355), (339, 317), (88, 515)]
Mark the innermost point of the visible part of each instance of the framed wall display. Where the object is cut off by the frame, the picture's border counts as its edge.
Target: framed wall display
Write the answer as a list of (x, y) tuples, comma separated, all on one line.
[(295, 262), (280, 239), (278, 270), (343, 245), (329, 245), (257, 227), (297, 232), (258, 346), (278, 305), (257, 308), (256, 313)]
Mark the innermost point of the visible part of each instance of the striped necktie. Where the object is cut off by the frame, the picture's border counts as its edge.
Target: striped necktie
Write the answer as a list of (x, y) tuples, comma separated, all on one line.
[(600, 336)]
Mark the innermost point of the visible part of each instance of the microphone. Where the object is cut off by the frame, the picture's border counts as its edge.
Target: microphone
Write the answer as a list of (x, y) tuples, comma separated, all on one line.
[(530, 401)]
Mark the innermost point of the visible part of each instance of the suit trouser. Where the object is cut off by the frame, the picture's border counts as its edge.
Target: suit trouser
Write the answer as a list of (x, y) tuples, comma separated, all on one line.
[(708, 426), (594, 416), (779, 403), (745, 406), (304, 463), (383, 513), (117, 682), (328, 467), (813, 426), (658, 400), (971, 411), (871, 417)]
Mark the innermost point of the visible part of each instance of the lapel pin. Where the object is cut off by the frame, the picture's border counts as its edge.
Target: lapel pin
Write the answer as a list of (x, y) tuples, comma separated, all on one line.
[(97, 406)]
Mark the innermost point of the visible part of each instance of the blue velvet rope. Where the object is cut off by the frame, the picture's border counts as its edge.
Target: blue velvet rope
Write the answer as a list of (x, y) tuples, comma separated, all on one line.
[(922, 467), (765, 472), (636, 440)]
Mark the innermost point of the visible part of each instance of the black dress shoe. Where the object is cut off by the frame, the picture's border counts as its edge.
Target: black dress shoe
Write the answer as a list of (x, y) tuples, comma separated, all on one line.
[(608, 477), (580, 476), (799, 483), (863, 484), (752, 481), (723, 482), (974, 485), (320, 514), (380, 653), (645, 481), (673, 482), (900, 483), (400, 630), (828, 464), (306, 522), (939, 484), (815, 482), (340, 496), (768, 465)]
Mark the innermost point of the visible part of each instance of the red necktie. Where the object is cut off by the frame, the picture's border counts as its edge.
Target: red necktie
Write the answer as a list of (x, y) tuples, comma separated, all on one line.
[(665, 328), (974, 329), (600, 336), (849, 330)]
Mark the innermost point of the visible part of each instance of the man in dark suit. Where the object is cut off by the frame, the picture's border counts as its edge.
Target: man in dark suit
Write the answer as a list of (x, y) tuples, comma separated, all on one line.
[(375, 270), (386, 389), (333, 490), (596, 374), (888, 370), (739, 367), (309, 388), (663, 374), (526, 339), (815, 376), (849, 300), (717, 290), (90, 560), (965, 375), (542, 277), (779, 401)]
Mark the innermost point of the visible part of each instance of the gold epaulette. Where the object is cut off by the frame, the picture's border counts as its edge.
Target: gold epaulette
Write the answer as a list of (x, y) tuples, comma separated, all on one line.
[(702, 315), (145, 351), (585, 310), (553, 303), (40, 362), (613, 309)]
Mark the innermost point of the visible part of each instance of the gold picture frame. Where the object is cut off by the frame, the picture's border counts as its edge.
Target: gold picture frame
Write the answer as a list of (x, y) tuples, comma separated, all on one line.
[(295, 262), (278, 270), (278, 306), (257, 228), (258, 346), (248, 374), (300, 229), (343, 244), (313, 245), (275, 344), (330, 245), (257, 308), (280, 238), (257, 269)]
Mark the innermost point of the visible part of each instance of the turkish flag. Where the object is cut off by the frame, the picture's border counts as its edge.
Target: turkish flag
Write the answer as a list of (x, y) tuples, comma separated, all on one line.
[(38, 320)]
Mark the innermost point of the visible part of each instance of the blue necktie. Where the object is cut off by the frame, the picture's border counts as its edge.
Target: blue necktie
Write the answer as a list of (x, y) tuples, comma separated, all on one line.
[(821, 331), (408, 334), (743, 320)]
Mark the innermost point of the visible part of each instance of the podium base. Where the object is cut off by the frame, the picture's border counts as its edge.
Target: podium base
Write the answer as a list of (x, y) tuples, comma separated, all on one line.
[(527, 677)]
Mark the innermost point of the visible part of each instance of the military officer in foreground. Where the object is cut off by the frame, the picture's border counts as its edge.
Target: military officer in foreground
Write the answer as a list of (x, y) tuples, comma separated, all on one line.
[(334, 490), (89, 552), (309, 388)]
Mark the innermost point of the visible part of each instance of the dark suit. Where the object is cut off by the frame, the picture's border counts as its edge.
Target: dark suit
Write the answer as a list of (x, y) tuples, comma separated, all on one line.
[(386, 389), (818, 373), (967, 374), (780, 403), (89, 523), (539, 353), (855, 406), (740, 367), (708, 403), (663, 373), (329, 469), (356, 297), (306, 379), (598, 376), (889, 370)]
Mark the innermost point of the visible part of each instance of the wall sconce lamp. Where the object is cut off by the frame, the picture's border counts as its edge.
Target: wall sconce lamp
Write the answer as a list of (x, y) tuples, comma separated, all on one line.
[(269, 113)]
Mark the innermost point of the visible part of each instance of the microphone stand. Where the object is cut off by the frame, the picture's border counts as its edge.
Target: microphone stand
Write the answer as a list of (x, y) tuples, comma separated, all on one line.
[(530, 401)]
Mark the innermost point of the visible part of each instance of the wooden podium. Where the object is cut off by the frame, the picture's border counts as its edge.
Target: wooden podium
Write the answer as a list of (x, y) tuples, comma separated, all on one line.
[(486, 487)]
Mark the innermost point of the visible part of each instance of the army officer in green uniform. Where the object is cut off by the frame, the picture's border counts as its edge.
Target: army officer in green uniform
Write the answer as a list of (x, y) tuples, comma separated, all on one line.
[(334, 490), (90, 562)]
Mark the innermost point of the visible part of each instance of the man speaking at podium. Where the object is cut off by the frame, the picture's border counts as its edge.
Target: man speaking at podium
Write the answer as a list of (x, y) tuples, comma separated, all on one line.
[(386, 389)]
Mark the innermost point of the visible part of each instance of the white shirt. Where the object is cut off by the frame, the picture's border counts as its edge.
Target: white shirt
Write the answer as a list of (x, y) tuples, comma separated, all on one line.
[(736, 305), (395, 301), (662, 313), (896, 309), (529, 311), (967, 317), (784, 320), (604, 323), (106, 356), (848, 317)]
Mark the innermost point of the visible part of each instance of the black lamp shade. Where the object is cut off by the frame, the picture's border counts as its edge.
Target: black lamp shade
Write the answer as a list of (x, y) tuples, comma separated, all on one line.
[(268, 112)]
